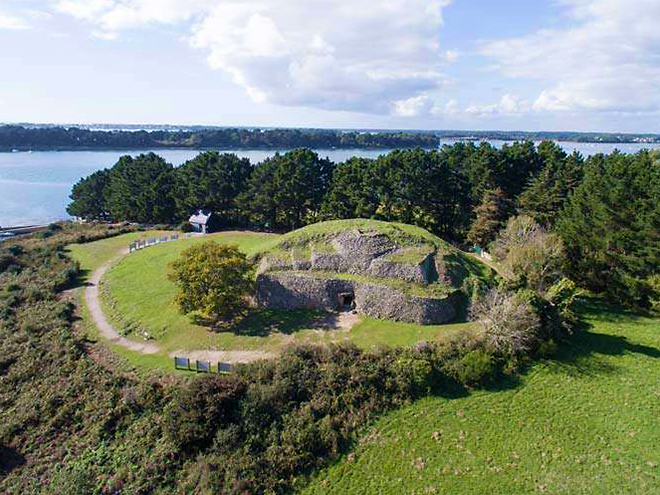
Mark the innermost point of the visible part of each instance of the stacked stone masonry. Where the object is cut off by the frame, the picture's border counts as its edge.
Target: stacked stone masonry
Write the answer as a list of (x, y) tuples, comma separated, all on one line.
[(291, 280)]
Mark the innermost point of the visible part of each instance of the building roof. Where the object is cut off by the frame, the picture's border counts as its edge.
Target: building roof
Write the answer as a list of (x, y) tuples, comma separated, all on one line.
[(201, 217)]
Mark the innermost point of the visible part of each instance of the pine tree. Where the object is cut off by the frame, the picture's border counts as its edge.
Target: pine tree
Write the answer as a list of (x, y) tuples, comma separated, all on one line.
[(491, 215), (611, 226), (211, 180), (89, 197), (140, 190), (546, 195)]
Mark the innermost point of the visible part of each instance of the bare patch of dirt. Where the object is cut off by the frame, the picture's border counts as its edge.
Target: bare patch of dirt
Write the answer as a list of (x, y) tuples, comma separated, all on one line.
[(338, 321)]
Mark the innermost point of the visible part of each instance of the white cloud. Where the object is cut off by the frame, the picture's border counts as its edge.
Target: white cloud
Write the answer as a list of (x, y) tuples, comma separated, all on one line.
[(608, 60), (451, 56), (451, 108), (105, 35), (414, 107), (12, 23), (376, 56), (508, 105), (84, 9), (39, 15)]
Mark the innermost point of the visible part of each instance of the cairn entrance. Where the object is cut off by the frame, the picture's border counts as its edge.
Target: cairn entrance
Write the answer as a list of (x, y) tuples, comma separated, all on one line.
[(346, 301)]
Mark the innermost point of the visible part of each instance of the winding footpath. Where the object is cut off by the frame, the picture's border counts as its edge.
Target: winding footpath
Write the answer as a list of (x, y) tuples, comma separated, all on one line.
[(93, 300)]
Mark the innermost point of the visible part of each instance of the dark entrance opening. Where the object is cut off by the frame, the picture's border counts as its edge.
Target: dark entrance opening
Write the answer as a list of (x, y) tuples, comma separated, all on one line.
[(346, 301)]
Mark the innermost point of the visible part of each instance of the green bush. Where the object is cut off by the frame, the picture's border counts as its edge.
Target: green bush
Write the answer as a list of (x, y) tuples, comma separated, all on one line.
[(186, 228), (653, 283), (414, 372), (474, 368), (547, 348), (197, 412)]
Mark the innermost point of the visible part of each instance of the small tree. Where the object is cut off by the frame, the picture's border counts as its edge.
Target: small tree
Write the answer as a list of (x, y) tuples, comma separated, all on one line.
[(212, 279), (530, 256), (509, 323), (491, 214)]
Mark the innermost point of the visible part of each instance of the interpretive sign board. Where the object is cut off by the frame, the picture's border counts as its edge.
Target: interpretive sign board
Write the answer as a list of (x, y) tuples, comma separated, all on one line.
[(181, 363)]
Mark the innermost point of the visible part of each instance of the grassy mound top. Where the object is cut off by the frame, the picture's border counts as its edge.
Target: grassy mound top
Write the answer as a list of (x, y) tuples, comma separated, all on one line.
[(396, 243), (406, 236)]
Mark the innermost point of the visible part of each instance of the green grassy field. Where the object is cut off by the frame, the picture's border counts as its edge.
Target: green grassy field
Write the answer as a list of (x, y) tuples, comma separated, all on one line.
[(585, 422), (91, 255), (138, 297)]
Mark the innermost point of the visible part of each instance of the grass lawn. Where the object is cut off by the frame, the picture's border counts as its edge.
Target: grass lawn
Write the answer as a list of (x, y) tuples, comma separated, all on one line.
[(585, 422), (142, 364), (91, 255), (138, 297)]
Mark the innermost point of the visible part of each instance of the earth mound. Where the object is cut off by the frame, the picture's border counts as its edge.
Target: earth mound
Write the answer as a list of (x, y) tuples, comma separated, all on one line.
[(385, 270)]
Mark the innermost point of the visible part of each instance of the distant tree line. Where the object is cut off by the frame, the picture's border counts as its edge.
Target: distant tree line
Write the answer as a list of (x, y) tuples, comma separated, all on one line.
[(605, 209), (43, 137), (47, 138)]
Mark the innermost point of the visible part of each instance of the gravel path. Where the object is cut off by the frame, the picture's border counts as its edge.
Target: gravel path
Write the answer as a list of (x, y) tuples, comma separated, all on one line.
[(107, 330)]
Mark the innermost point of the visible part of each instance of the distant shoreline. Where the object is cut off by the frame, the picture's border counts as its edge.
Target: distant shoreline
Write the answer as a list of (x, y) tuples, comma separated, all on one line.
[(20, 149), (57, 138)]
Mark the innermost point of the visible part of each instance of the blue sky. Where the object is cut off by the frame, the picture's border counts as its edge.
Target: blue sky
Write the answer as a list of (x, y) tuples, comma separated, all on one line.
[(590, 65)]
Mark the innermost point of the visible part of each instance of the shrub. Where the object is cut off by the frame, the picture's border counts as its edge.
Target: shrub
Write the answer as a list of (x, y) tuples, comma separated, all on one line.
[(15, 249), (547, 348), (563, 296), (474, 368), (509, 323), (186, 228), (415, 373), (654, 288), (8, 261), (197, 412)]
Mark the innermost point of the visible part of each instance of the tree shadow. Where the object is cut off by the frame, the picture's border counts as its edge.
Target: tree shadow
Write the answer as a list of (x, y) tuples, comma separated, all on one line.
[(10, 459), (264, 322), (80, 280), (583, 353), (599, 309)]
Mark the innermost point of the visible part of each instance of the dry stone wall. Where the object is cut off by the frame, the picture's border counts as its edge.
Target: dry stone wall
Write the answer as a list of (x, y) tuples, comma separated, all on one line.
[(288, 290), (286, 278)]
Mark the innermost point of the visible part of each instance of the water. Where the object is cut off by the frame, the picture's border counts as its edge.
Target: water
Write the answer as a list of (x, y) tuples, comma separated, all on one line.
[(35, 187)]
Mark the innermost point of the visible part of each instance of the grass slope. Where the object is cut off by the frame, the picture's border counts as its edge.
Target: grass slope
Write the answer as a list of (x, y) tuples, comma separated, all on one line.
[(582, 423), (93, 254)]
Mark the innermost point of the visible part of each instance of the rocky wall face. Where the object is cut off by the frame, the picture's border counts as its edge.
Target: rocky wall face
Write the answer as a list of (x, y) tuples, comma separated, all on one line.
[(291, 291), (296, 291), (386, 303), (331, 263), (421, 273)]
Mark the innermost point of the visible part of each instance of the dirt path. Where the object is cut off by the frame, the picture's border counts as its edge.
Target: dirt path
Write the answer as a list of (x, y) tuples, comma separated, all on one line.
[(92, 297)]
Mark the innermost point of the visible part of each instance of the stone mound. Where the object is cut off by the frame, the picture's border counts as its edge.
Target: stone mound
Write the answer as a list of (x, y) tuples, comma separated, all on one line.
[(388, 271)]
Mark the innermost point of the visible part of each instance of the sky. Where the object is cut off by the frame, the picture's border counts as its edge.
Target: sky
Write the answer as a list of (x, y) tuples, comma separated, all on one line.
[(571, 65)]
